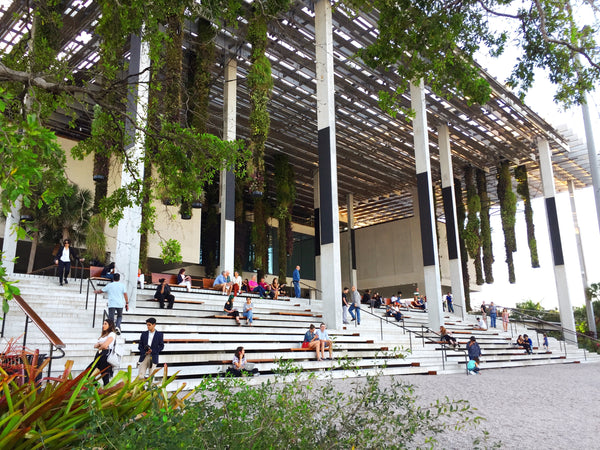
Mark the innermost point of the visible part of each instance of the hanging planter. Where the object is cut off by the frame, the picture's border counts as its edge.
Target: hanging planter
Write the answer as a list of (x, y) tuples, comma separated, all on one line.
[(486, 230), (508, 211), (197, 204), (464, 257), (471, 233), (523, 191)]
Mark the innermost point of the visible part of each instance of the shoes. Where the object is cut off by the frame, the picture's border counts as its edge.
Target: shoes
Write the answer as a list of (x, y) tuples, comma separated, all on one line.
[(118, 331), (66, 282), (358, 323), (346, 323), (353, 319), (60, 283)]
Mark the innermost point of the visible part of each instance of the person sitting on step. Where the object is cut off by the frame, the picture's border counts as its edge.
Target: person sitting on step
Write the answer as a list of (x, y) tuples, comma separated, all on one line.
[(229, 309), (239, 365), (163, 292), (446, 336), (248, 311), (480, 325), (392, 310), (223, 283), (324, 341), (311, 340), (184, 280)]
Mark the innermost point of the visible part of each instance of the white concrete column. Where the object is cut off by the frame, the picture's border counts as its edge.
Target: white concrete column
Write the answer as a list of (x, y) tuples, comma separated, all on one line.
[(9, 244), (328, 189), (227, 184), (127, 253), (351, 242), (431, 265), (592, 155), (448, 196), (588, 303), (560, 275)]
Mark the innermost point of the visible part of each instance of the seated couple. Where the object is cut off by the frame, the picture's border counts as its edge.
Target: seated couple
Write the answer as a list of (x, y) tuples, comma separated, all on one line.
[(318, 340), (393, 310)]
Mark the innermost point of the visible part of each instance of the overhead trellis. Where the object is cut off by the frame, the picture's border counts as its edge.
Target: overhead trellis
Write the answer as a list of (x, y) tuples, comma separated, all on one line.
[(486, 230), (523, 191), (508, 211)]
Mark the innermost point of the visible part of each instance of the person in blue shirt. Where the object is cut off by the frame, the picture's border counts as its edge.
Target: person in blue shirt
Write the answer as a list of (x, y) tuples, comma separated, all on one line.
[(324, 341), (117, 300), (296, 280), (311, 340), (449, 302), (528, 344), (223, 283)]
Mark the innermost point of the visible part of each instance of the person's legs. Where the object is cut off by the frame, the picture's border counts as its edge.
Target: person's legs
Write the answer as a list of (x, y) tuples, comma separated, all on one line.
[(296, 289), (161, 301), (358, 315), (67, 271), (111, 313), (316, 346), (345, 314), (61, 270), (171, 300), (493, 320), (119, 317), (351, 311), (145, 366), (330, 349)]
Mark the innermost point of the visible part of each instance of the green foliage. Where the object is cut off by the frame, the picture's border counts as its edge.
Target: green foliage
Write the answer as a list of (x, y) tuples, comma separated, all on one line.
[(95, 241), (508, 211), (523, 191), (464, 256), (285, 191), (67, 412), (486, 230), (170, 251), (471, 232), (295, 412)]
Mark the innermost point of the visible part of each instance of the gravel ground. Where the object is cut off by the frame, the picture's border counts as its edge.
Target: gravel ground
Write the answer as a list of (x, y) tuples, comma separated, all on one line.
[(537, 407)]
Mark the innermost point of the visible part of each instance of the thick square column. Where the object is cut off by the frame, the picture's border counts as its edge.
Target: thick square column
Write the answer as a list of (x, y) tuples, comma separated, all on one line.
[(456, 277), (328, 189), (560, 274), (431, 265), (127, 253), (227, 184)]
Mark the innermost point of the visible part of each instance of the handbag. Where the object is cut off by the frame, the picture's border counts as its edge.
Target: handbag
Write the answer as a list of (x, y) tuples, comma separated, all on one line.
[(305, 344), (114, 356)]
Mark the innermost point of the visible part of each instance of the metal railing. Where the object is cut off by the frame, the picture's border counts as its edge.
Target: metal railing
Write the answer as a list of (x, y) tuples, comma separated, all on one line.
[(78, 266), (32, 316), (423, 335)]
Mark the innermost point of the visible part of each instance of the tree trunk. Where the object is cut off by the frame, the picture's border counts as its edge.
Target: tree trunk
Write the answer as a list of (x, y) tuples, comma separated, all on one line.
[(34, 244)]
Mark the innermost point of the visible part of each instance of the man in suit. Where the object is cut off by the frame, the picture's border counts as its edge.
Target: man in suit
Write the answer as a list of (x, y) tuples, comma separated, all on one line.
[(150, 346)]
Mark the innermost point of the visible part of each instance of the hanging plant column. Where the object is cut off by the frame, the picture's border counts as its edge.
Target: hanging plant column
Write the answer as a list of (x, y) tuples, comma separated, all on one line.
[(471, 233), (486, 231), (464, 256), (508, 211), (286, 196), (523, 191)]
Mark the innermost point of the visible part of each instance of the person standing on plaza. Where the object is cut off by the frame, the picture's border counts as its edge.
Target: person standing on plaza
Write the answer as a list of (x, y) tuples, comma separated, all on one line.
[(63, 261), (449, 302), (355, 305), (345, 306), (493, 315), (117, 300), (296, 281), (150, 346)]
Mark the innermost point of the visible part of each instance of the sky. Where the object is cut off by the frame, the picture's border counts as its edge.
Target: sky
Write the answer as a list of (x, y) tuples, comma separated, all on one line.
[(538, 284)]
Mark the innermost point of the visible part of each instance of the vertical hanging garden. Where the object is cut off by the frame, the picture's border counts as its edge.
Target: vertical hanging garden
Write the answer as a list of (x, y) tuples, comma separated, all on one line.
[(286, 196), (260, 84), (471, 233), (523, 191), (464, 256), (486, 231), (508, 211)]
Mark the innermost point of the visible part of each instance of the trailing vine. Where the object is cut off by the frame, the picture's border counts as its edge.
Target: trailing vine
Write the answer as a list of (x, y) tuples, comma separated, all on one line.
[(464, 257), (508, 210), (486, 231), (523, 191), (286, 196), (260, 84), (471, 233)]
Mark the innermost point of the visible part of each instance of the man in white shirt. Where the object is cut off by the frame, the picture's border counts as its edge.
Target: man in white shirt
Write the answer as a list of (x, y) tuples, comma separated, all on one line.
[(150, 346), (481, 325)]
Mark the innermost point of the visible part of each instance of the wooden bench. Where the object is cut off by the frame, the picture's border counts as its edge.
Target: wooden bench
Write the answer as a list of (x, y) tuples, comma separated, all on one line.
[(170, 278), (302, 314), (194, 340), (222, 316), (96, 272)]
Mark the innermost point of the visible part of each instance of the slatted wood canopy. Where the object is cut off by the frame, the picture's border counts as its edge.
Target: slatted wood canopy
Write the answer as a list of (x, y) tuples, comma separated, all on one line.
[(375, 152)]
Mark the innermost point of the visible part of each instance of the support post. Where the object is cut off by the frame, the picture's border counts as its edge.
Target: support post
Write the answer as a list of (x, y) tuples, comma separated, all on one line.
[(328, 189), (456, 278), (227, 184), (431, 269), (9, 244), (317, 217), (592, 155), (588, 302), (560, 274), (127, 253), (351, 242)]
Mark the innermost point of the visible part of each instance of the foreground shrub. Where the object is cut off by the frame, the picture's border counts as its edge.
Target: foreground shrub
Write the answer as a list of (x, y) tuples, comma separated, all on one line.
[(62, 412), (292, 411)]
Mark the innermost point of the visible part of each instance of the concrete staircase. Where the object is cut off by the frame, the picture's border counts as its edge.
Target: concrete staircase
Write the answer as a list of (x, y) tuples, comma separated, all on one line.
[(199, 344)]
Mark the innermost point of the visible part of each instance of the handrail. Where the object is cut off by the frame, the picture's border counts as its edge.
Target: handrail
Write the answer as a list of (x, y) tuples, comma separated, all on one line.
[(418, 335), (43, 269), (31, 315), (553, 326)]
